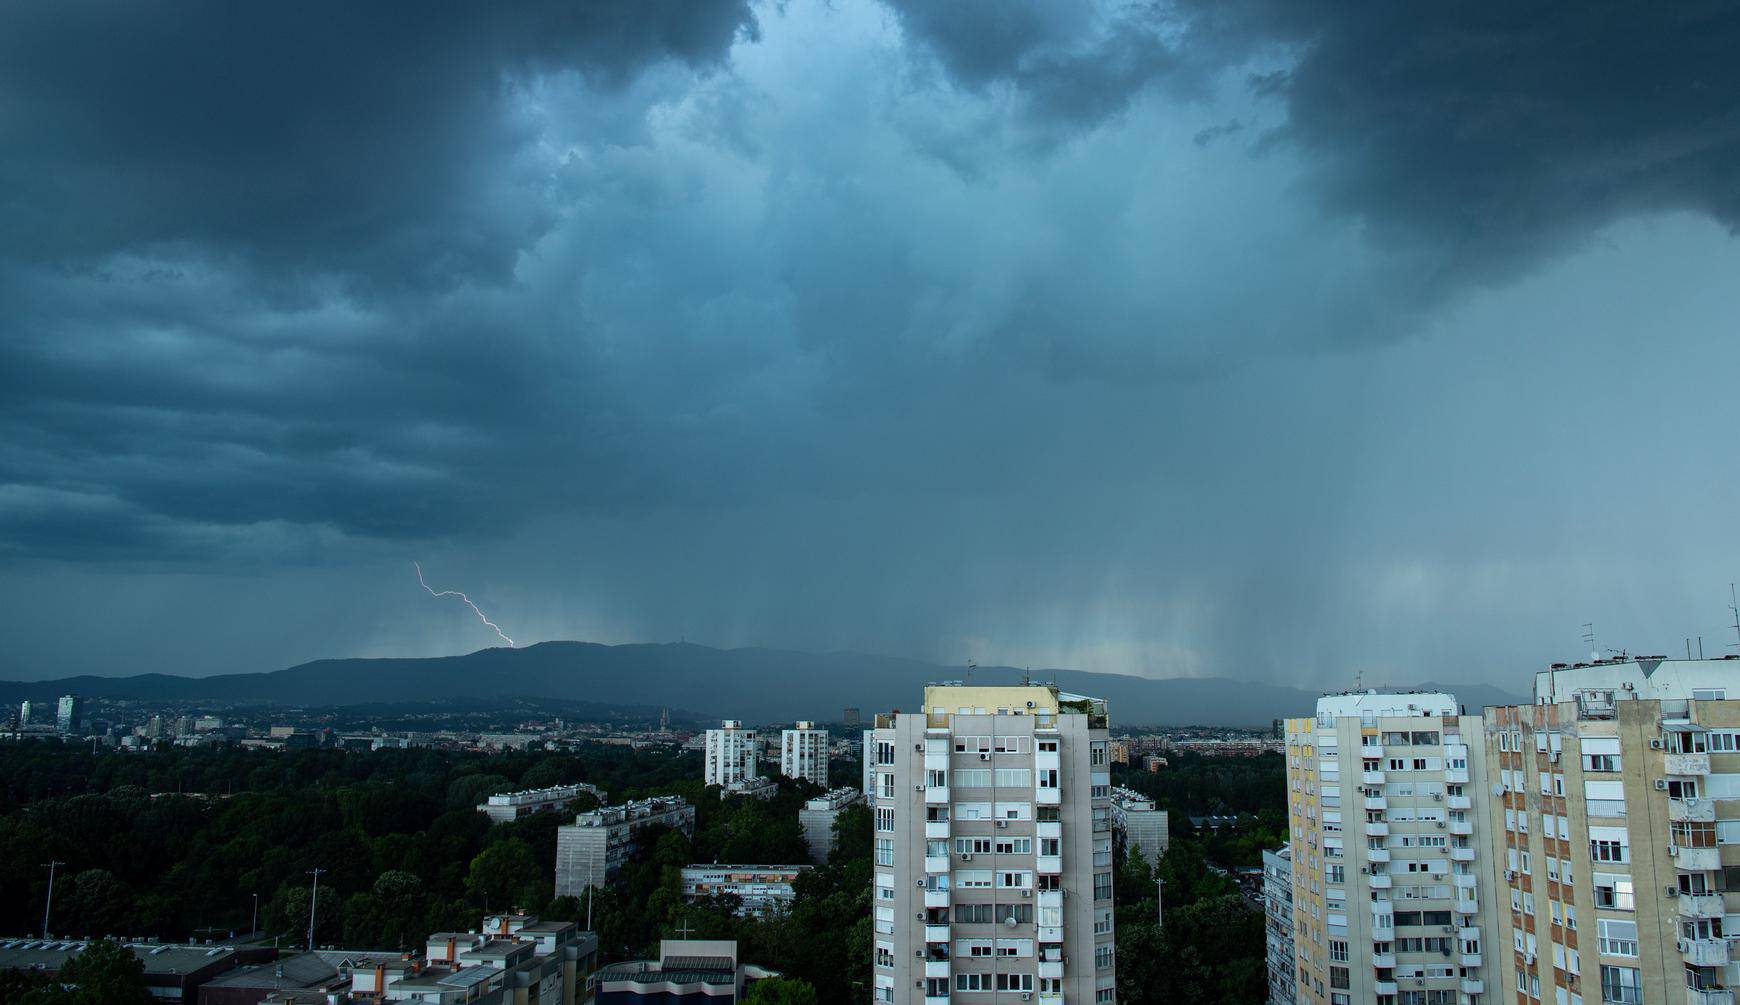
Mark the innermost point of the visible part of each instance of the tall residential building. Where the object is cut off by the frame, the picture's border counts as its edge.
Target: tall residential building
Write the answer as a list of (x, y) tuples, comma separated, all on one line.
[(590, 851), (730, 753), (68, 713), (1389, 847), (818, 816), (1617, 803), (993, 848), (803, 753), (1139, 824), (23, 714), (1278, 923)]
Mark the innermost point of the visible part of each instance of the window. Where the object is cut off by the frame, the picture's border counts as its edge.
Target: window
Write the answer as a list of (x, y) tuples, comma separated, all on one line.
[(884, 851), (1614, 892), (1621, 984), (884, 752), (1608, 850), (1014, 778), (885, 819), (1102, 886), (1618, 938)]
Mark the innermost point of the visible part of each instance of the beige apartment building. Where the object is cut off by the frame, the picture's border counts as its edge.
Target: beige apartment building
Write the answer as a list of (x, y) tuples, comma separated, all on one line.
[(1616, 806), (1391, 861), (992, 848)]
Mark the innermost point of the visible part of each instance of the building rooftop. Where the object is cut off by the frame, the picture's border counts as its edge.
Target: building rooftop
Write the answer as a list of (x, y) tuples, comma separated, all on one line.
[(1386, 704)]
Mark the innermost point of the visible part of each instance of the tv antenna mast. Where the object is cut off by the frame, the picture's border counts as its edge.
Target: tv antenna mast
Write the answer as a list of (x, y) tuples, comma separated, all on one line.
[(1589, 637), (1734, 607)]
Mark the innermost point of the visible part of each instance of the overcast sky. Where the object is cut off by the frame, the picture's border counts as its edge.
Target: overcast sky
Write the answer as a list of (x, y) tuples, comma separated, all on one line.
[(1278, 340)]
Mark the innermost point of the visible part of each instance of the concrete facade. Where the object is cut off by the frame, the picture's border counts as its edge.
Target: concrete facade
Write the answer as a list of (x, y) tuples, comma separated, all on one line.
[(1139, 824), (992, 848), (590, 851), (803, 753), (730, 753), (1278, 924), (818, 816)]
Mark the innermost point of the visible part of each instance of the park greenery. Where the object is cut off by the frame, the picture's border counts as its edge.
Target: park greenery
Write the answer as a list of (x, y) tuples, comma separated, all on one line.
[(185, 843)]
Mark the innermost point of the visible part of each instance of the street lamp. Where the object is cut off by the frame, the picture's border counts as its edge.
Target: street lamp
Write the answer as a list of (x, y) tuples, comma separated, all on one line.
[(254, 925)]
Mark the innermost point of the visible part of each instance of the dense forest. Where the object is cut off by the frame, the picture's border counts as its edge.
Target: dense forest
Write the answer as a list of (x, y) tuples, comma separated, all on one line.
[(177, 844)]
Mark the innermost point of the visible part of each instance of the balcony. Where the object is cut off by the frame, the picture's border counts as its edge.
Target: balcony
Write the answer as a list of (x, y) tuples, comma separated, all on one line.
[(1376, 829), (1051, 969), (936, 1000), (1472, 985), (936, 933), (1048, 865), (1465, 881), (939, 863), (1463, 828), (1700, 905), (936, 829), (1456, 776), (936, 898), (936, 795), (1371, 778), (1459, 802), (1383, 961), (1704, 952), (1467, 905), (1685, 764), (936, 968), (1462, 854), (1048, 797), (1381, 881), (1696, 859), (1709, 996), (1048, 829), (1050, 898), (1697, 811), (1383, 987), (1376, 803), (1377, 854), (1468, 960)]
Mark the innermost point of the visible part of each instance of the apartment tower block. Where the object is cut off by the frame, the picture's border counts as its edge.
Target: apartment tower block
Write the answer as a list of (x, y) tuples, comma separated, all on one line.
[(992, 848)]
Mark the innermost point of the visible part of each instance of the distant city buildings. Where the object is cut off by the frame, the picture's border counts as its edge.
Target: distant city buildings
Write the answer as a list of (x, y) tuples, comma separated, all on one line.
[(1140, 824), (818, 816), (730, 753), (851, 717), (760, 889), (590, 851), (506, 807), (803, 753), (698, 971), (69, 713), (24, 714), (752, 788)]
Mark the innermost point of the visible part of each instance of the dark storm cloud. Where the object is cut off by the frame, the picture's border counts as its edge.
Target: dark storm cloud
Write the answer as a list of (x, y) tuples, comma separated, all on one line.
[(1498, 134), (328, 136)]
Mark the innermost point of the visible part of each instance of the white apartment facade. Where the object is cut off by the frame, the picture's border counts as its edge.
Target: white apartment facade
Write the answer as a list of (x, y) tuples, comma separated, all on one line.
[(992, 848), (1390, 852), (803, 753), (730, 754)]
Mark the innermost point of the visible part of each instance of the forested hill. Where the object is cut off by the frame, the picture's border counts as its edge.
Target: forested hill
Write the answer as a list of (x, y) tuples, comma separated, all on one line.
[(756, 685)]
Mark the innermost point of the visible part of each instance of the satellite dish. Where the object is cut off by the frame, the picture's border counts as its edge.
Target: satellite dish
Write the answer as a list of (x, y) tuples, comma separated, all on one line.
[(1009, 921)]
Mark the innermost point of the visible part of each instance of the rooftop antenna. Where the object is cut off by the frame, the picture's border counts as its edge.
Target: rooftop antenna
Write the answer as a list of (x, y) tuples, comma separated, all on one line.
[(971, 666), (1589, 637), (1734, 606)]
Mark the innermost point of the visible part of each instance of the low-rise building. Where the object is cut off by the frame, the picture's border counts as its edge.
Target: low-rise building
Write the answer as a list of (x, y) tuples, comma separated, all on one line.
[(590, 851), (173, 973), (1139, 824), (505, 807), (759, 889), (754, 788), (818, 816), (1278, 924), (687, 970)]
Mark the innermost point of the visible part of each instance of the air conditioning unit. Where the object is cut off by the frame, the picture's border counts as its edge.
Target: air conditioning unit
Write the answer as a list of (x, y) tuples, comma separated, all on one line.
[(1027, 996), (1670, 891), (918, 883), (1029, 705), (1448, 929), (1027, 893), (1553, 756), (1661, 785), (918, 788), (1437, 797), (1440, 825), (1002, 823), (1655, 744), (966, 856), (1509, 875), (984, 757), (918, 953)]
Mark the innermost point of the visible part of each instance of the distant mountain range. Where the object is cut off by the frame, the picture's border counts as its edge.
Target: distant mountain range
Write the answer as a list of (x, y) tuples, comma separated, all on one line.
[(755, 685)]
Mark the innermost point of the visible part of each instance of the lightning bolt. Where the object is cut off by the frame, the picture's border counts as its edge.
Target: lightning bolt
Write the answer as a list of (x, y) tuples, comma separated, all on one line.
[(455, 593)]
